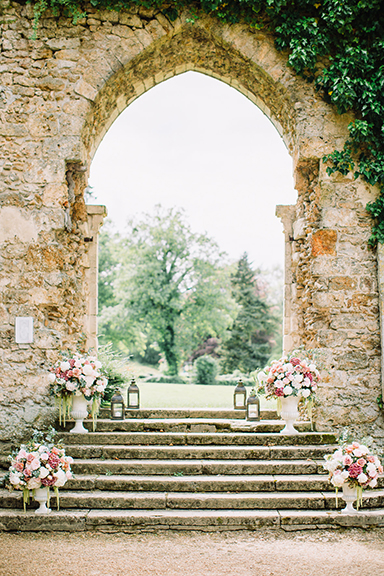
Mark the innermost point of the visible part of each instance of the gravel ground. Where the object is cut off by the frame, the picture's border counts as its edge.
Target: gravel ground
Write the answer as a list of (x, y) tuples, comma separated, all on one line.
[(352, 552)]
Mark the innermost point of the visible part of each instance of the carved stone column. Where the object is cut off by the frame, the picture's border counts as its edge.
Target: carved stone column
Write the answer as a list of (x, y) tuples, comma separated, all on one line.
[(96, 215), (287, 215)]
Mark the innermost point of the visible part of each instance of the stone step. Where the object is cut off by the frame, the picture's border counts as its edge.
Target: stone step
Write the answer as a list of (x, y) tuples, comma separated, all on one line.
[(201, 483), (212, 413), (201, 439), (202, 520), (189, 425), (194, 467), (199, 452), (195, 501)]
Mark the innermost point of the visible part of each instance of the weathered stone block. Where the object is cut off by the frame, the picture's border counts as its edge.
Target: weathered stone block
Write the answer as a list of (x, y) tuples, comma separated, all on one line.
[(324, 242)]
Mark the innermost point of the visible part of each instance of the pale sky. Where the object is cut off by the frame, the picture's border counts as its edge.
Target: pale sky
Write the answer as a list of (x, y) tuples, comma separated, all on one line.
[(196, 143)]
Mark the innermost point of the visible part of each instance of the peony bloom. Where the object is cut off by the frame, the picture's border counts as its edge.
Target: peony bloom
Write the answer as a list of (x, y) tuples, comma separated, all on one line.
[(35, 464), (14, 478), (362, 478), (337, 479), (22, 455), (33, 483), (88, 370)]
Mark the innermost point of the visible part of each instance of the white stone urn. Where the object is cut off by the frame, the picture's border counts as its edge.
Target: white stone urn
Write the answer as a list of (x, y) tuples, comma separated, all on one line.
[(41, 496), (349, 496), (289, 414), (79, 412)]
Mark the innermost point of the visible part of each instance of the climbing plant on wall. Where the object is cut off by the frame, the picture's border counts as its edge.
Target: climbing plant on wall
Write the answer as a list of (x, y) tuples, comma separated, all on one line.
[(337, 44)]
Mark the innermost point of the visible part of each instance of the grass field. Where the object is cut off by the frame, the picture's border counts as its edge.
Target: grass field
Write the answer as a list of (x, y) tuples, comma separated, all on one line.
[(189, 396)]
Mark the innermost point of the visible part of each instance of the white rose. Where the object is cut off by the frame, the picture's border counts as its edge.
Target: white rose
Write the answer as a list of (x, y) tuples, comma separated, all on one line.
[(373, 483), (305, 393), (64, 366), (70, 386), (61, 478), (43, 472), (287, 390), (298, 378), (98, 364), (364, 449), (312, 367), (51, 377), (261, 376), (371, 469)]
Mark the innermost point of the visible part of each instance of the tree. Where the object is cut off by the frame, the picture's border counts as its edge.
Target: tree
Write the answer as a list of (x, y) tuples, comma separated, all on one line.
[(250, 339), (170, 285)]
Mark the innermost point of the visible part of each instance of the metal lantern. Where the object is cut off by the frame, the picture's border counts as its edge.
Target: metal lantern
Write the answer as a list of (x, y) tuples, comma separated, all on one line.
[(240, 396), (253, 406), (117, 406), (133, 397)]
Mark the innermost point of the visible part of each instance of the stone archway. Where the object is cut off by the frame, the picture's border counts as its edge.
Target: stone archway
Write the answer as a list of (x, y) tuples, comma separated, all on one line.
[(69, 87)]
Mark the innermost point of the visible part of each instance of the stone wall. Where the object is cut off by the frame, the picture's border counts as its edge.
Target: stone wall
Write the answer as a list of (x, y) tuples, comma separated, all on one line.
[(60, 93)]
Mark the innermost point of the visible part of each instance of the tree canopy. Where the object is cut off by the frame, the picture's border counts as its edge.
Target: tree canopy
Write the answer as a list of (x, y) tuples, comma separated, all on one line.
[(171, 287), (250, 340)]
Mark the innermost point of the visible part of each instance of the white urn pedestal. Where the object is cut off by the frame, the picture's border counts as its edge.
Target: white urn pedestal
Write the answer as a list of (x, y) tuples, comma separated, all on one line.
[(289, 414), (41, 496), (79, 412), (349, 496)]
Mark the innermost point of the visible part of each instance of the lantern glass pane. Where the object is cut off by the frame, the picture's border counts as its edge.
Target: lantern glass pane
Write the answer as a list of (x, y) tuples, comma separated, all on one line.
[(239, 400), (253, 410), (133, 398), (117, 410)]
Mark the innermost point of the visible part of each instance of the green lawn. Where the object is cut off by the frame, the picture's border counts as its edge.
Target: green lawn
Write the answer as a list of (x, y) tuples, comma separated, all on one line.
[(189, 396)]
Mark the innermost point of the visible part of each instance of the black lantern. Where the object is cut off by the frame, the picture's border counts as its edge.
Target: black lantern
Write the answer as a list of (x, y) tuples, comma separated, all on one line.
[(253, 406), (117, 406), (133, 398), (240, 396)]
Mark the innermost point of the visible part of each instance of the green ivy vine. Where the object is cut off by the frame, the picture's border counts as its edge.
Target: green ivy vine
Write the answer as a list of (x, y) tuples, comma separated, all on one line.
[(337, 44)]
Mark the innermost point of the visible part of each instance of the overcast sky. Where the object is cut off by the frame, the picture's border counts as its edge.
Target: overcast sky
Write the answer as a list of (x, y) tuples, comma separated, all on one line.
[(196, 143)]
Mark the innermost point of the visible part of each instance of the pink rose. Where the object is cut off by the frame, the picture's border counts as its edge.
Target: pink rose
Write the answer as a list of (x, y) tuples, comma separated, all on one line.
[(347, 460), (361, 462)]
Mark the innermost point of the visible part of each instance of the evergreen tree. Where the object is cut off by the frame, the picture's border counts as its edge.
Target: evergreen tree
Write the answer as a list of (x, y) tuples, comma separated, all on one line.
[(250, 340)]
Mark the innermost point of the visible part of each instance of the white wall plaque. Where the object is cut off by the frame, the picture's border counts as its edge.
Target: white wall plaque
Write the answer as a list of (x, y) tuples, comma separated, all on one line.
[(24, 330)]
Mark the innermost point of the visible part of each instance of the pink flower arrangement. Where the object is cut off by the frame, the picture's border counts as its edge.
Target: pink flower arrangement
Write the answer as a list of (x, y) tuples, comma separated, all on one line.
[(78, 375), (354, 465), (289, 376), (37, 465)]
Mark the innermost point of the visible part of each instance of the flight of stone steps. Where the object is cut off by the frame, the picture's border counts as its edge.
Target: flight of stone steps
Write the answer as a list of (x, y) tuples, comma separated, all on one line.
[(193, 470)]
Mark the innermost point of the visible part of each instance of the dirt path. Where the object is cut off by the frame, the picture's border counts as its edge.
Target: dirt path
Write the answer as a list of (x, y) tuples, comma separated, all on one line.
[(264, 553)]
